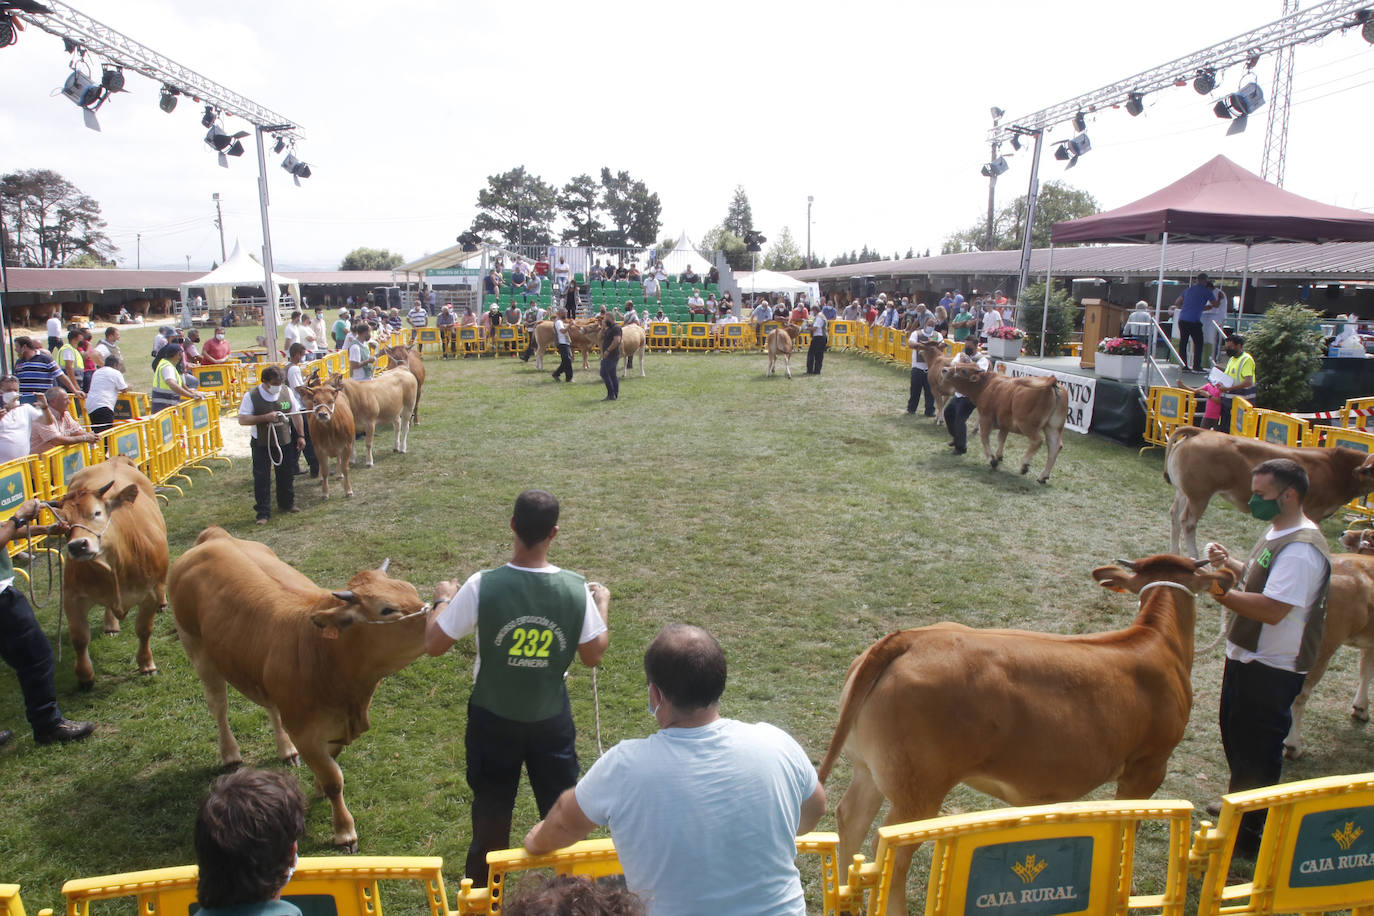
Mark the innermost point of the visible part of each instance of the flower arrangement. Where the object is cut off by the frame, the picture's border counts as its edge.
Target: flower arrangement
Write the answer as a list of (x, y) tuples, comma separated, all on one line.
[(1007, 332), (1122, 346)]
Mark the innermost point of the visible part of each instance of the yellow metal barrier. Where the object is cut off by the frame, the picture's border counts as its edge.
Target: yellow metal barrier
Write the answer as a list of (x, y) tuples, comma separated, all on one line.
[(1069, 858), (469, 341), (425, 335), (1166, 411), (10, 903), (694, 335), (127, 439), (1242, 418), (217, 379), (841, 334), (132, 405), (1316, 854), (659, 335), (165, 453), (61, 464), (350, 882), (1350, 416), (200, 429), (509, 339), (1279, 428), (595, 859), (23, 479), (731, 336)]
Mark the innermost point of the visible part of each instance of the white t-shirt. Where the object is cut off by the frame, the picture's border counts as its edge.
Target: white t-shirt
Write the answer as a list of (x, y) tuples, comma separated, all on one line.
[(459, 616), (418, 317), (695, 301), (106, 384), (722, 800), (651, 284), (294, 378), (305, 334), (1295, 580), (54, 327), (992, 319), (292, 333), (917, 362), (358, 353), (14, 431), (561, 329), (562, 271), (318, 327), (818, 325), (246, 406)]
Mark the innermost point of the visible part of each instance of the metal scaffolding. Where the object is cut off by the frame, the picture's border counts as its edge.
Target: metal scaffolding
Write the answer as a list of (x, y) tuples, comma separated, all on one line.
[(1246, 49), (84, 33), (1280, 104)]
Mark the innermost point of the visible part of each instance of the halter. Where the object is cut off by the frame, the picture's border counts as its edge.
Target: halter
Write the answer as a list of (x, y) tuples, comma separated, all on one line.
[(52, 507), (424, 609), (1178, 585)]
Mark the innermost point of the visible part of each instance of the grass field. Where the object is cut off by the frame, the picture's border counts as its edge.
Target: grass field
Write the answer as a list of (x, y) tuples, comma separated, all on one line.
[(797, 520)]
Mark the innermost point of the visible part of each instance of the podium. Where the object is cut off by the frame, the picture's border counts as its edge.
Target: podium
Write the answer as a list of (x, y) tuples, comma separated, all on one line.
[(1101, 319)]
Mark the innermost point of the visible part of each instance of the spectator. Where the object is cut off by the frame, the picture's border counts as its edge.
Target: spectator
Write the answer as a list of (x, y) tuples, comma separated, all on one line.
[(659, 315), (562, 275), (69, 358), (295, 381), (448, 331), (272, 412), (36, 370), (596, 273), (960, 406), (512, 315), (749, 788), (418, 318), (491, 283), (109, 345), (317, 327), (631, 316), (23, 644), (394, 321), (871, 315), (632, 274), (339, 330), (360, 358), (610, 357), (520, 715), (622, 272), (992, 320), (519, 273), (761, 313), (1240, 367), (534, 286), (124, 317), (161, 339), (851, 311), (1197, 297), (942, 320), (56, 426), (192, 348), (292, 332), (55, 329), (106, 385), (216, 349), (712, 276), (688, 277), (246, 836), (169, 383), (1213, 317), (651, 287), (16, 420), (920, 371), (571, 895)]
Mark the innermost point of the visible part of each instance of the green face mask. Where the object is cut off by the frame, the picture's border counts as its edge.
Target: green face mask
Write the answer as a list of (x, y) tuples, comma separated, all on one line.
[(1263, 509)]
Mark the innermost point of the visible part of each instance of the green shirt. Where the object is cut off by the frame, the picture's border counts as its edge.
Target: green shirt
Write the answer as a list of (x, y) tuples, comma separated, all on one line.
[(961, 332), (528, 626)]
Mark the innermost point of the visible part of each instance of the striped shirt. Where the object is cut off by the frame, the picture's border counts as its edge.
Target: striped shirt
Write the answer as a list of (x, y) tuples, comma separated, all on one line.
[(36, 374)]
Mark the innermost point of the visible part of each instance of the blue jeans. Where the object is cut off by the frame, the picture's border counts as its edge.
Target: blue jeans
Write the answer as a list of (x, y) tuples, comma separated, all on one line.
[(609, 376)]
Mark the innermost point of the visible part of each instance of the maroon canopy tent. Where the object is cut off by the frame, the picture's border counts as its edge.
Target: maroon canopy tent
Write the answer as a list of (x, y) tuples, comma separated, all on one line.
[(1219, 202)]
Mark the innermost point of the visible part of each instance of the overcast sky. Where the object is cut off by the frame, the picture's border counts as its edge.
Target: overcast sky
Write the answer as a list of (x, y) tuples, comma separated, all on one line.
[(878, 110)]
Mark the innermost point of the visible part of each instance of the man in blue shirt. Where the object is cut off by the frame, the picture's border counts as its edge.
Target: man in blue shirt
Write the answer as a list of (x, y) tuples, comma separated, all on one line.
[(1195, 298), (245, 837)]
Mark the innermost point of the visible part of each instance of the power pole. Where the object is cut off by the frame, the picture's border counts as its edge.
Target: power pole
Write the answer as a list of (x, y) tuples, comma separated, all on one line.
[(219, 224), (997, 114), (138, 251), (1276, 134), (809, 201)]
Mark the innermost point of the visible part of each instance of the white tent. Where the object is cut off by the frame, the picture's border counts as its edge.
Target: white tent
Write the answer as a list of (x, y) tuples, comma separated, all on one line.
[(239, 270), (684, 255), (769, 281)]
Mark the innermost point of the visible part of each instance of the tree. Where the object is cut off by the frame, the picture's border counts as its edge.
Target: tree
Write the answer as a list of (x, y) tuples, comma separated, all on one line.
[(1287, 352), (718, 238), (87, 259), (665, 245), (1058, 323), (739, 219), (517, 207), (371, 259), (783, 254), (48, 220), (580, 202), (1056, 203), (632, 211)]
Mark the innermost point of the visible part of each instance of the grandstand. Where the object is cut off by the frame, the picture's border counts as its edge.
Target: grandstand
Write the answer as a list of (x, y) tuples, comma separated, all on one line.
[(610, 293)]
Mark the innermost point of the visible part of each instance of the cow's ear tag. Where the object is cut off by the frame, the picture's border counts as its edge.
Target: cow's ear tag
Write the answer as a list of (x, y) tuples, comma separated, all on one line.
[(330, 632)]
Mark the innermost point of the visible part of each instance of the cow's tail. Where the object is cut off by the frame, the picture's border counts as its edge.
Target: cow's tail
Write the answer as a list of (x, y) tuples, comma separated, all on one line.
[(1182, 434), (862, 676)]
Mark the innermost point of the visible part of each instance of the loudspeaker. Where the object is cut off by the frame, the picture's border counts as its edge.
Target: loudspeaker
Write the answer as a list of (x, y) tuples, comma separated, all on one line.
[(856, 287), (870, 286), (394, 297)]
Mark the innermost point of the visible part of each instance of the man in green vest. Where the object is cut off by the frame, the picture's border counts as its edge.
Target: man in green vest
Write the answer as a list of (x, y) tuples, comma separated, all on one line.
[(1240, 366), (530, 618), (1274, 629)]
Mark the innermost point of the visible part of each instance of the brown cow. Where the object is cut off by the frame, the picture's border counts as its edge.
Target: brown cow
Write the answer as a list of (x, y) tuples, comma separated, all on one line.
[(331, 430), (1031, 718), (1349, 622), (631, 342), (117, 546), (1034, 407), (1202, 463), (936, 358), (781, 341), (307, 654), (388, 398), (583, 335), (409, 357)]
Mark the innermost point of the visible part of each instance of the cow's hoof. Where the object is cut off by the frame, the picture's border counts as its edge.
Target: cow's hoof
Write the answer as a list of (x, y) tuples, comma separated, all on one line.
[(1359, 712), (292, 760), (325, 496), (1042, 480), (86, 686), (369, 464), (151, 669), (1292, 752), (349, 493), (348, 847), (111, 631), (1025, 468)]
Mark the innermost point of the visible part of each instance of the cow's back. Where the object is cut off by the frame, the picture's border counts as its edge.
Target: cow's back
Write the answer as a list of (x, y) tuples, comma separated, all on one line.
[(1203, 462), (632, 339)]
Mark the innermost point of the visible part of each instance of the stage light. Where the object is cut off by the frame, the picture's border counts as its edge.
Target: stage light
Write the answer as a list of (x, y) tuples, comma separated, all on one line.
[(1239, 105), (216, 138), (1080, 145), (280, 145), (112, 79), (168, 101), (1016, 142), (83, 91), (470, 241), (997, 113), (995, 167), (296, 167), (1365, 20), (235, 148), (1222, 109), (1080, 123), (1135, 103), (7, 31), (753, 240), (208, 119), (1205, 81), (1062, 153)]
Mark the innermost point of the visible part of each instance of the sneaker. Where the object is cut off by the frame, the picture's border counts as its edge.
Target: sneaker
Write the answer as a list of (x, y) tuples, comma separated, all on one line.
[(261, 521), (5, 736), (65, 731)]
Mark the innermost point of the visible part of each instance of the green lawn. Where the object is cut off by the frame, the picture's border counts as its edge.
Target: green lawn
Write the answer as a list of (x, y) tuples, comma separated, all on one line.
[(798, 520)]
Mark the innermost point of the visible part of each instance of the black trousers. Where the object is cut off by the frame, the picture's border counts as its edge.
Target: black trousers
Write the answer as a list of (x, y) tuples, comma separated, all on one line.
[(609, 376), (102, 418), (957, 412), (496, 748), (1190, 331), (564, 361), (26, 649), (1255, 715), (920, 384), (262, 474), (815, 354)]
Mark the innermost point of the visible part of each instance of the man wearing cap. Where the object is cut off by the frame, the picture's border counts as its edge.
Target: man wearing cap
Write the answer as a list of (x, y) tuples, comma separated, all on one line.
[(340, 330), (1194, 300)]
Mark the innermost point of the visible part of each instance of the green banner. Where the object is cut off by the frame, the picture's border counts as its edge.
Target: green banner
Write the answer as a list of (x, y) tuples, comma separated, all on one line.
[(11, 491), (1031, 878), (72, 462), (454, 272), (1333, 847)]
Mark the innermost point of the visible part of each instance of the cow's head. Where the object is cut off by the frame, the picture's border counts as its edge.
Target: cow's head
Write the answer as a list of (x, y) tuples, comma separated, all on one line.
[(968, 373), (320, 400), (87, 515), (1135, 575), (373, 597), (1364, 475), (1358, 540)]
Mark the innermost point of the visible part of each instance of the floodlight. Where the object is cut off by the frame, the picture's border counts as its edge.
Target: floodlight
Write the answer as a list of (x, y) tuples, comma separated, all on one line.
[(1222, 109), (207, 119), (753, 240), (1062, 153), (235, 148), (1365, 20), (1135, 103), (1239, 105), (224, 142), (168, 101), (7, 30), (280, 145), (1205, 81), (995, 167), (997, 113), (296, 167), (1080, 123), (1016, 142), (112, 79), (470, 241), (1080, 145)]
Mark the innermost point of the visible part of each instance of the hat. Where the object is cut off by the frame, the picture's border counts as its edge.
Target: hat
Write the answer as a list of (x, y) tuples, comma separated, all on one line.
[(494, 309)]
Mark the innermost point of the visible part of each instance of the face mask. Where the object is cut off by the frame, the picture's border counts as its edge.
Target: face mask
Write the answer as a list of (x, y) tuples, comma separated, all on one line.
[(291, 869), (274, 392), (653, 710), (219, 337), (1263, 509), (11, 398)]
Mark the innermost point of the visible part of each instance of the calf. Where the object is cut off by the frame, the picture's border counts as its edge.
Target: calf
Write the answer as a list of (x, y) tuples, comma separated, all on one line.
[(1034, 407), (781, 341), (389, 398), (331, 430), (1203, 463), (1031, 718), (936, 358), (632, 342), (408, 356), (582, 338)]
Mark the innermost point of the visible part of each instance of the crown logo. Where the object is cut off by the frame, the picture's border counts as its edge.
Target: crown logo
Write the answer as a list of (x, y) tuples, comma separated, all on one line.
[(1030, 869), (1346, 838)]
